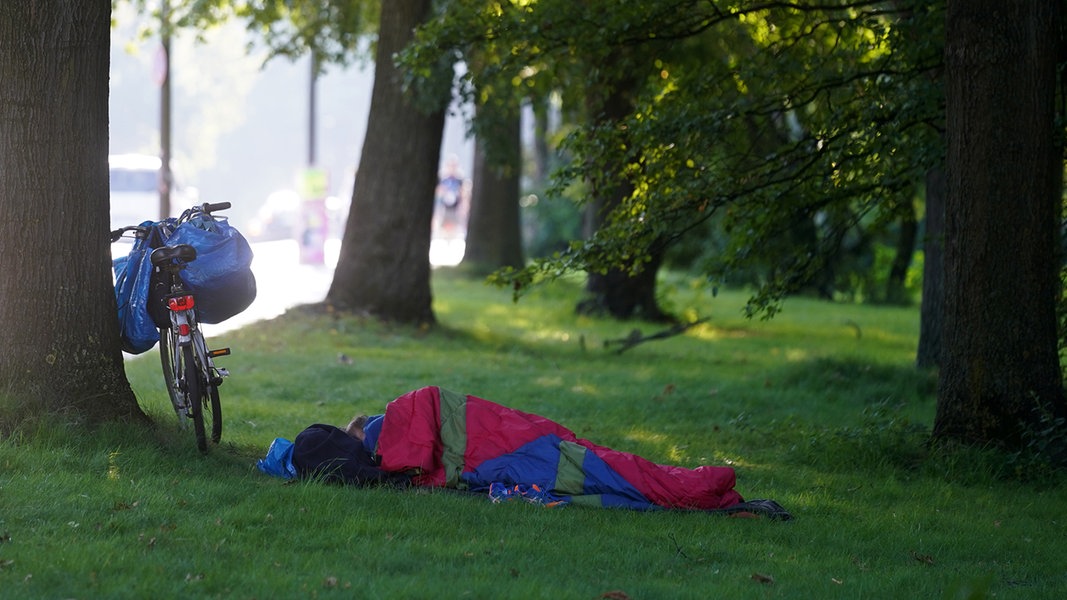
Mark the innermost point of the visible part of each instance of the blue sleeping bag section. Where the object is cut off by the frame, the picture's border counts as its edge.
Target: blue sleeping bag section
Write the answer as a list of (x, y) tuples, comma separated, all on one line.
[(574, 474)]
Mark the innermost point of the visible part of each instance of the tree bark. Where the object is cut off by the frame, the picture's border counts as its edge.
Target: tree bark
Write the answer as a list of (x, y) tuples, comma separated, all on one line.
[(1000, 377), (540, 142), (494, 236), (57, 305), (384, 265), (932, 308), (896, 291), (617, 291)]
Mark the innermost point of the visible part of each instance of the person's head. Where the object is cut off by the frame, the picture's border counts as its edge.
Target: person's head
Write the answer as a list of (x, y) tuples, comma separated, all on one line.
[(355, 427)]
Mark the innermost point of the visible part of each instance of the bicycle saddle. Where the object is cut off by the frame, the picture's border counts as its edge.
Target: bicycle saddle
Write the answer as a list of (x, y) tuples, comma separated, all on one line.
[(166, 254)]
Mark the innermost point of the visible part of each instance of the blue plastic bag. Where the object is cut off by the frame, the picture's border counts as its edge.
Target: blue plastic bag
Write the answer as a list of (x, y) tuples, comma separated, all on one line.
[(221, 276), (133, 273), (279, 459)]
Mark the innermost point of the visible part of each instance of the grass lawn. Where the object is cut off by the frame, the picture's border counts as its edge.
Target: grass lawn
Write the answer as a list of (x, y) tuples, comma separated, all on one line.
[(819, 409)]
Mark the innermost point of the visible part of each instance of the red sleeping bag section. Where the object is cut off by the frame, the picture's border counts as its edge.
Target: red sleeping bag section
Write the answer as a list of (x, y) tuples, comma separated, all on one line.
[(465, 442)]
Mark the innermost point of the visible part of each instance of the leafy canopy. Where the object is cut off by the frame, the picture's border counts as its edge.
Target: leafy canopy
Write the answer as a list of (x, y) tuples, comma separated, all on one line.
[(783, 124)]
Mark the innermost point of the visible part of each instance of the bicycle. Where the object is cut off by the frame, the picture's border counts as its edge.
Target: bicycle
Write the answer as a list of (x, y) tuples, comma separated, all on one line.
[(188, 365)]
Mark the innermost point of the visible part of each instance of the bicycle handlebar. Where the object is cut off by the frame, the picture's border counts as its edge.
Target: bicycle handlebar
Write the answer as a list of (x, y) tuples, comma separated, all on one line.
[(210, 208), (115, 235), (207, 208)]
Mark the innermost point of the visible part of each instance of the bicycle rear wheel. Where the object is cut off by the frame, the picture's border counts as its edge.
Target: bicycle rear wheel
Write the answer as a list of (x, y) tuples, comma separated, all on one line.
[(168, 352)]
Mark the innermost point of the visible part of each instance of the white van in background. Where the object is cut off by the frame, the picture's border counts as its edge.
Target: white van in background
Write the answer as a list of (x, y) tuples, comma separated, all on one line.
[(135, 190)]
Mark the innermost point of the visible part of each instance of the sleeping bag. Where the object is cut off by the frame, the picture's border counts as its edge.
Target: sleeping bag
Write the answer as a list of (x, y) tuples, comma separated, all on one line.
[(446, 439)]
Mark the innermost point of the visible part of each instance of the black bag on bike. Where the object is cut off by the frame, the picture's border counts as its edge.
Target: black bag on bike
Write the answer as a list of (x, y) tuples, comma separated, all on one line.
[(221, 276)]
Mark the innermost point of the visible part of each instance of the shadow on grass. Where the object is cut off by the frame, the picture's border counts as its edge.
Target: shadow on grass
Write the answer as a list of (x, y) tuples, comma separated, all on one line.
[(886, 428)]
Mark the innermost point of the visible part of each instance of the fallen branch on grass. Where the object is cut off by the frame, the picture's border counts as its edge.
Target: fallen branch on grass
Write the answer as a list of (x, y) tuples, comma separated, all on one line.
[(636, 337)]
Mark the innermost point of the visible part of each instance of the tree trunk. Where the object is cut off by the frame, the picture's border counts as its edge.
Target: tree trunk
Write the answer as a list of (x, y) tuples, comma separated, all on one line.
[(896, 291), (540, 141), (384, 265), (57, 303), (494, 236), (1000, 376), (617, 291), (932, 309)]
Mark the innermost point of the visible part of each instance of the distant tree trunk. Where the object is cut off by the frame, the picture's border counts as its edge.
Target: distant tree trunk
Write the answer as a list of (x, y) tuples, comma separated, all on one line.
[(933, 301), (896, 286), (1000, 376), (494, 235), (384, 266), (540, 141), (617, 292), (57, 304)]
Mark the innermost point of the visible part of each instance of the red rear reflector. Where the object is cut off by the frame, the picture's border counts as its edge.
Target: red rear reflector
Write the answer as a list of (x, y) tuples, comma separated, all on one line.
[(181, 303), (184, 329)]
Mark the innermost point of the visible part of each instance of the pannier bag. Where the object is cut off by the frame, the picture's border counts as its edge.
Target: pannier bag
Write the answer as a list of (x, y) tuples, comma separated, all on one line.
[(221, 276), (133, 274)]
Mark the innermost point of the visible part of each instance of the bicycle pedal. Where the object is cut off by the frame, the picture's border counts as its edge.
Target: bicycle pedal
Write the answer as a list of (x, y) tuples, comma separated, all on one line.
[(219, 352), (223, 372)]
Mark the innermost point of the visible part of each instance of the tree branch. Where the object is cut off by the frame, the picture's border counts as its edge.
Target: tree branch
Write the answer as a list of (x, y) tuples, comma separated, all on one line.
[(636, 337)]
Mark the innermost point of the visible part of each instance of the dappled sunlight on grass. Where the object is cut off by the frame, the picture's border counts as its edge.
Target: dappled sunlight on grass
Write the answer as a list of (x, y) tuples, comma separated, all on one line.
[(708, 332), (497, 321), (549, 382), (796, 354), (647, 436), (556, 335), (678, 454), (585, 389), (725, 458)]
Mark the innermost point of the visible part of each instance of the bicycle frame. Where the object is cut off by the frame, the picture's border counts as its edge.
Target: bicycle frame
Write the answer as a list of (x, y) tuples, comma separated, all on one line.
[(181, 305)]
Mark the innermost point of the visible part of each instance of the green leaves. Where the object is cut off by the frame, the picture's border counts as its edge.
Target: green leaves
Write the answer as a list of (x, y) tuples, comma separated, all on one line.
[(773, 133)]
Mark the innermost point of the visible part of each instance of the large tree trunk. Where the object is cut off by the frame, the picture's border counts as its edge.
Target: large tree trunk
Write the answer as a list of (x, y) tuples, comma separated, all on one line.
[(384, 266), (494, 236), (1000, 374), (621, 292), (57, 305)]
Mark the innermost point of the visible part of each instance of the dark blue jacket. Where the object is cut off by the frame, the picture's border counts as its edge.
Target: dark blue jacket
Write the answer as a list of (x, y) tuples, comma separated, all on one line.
[(327, 452)]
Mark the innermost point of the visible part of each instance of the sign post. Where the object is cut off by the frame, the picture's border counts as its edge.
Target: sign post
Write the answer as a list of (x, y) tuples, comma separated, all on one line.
[(313, 186)]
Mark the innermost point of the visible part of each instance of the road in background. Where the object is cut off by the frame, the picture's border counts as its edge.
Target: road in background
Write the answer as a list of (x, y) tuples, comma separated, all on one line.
[(282, 282)]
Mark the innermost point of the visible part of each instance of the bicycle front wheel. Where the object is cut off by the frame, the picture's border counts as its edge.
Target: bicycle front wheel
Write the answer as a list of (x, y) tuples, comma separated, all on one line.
[(195, 390), (208, 412), (216, 411)]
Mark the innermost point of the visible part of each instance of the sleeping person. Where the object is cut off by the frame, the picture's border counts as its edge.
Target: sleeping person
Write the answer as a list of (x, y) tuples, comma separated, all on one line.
[(433, 437)]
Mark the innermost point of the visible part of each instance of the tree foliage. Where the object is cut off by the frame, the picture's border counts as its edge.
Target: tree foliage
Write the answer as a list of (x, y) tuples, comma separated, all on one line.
[(328, 30), (792, 125)]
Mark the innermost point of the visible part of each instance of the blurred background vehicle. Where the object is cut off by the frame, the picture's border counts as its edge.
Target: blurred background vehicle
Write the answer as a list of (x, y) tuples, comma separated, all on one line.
[(283, 216), (135, 183)]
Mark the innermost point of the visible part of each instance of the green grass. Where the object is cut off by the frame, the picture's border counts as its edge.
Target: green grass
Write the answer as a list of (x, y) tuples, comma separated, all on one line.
[(819, 409)]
